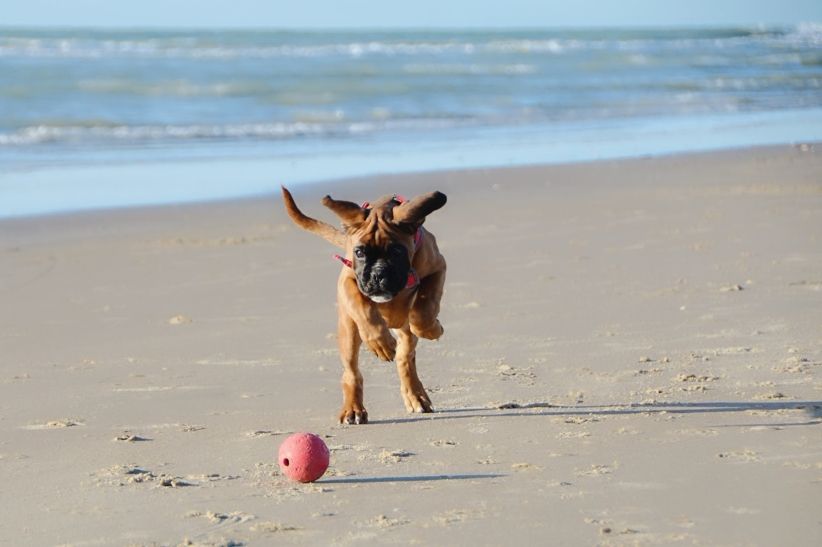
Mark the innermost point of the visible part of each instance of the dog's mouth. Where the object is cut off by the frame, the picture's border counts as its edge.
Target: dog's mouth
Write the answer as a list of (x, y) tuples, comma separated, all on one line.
[(381, 298), (376, 292)]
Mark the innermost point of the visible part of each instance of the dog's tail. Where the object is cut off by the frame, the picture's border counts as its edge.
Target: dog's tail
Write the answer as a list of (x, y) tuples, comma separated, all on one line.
[(325, 231)]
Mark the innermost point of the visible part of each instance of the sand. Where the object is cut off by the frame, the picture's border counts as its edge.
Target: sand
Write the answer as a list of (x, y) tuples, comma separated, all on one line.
[(632, 355)]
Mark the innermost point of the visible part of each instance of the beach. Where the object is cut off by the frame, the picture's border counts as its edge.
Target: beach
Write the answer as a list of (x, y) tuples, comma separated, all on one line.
[(632, 355)]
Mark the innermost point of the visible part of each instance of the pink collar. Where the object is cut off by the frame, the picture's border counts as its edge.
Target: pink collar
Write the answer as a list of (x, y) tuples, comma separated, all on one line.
[(413, 278)]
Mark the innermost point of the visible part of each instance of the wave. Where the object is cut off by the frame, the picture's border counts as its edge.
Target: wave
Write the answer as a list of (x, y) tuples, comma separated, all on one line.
[(140, 92), (273, 44), (473, 69), (175, 88), (83, 48), (806, 33), (93, 132)]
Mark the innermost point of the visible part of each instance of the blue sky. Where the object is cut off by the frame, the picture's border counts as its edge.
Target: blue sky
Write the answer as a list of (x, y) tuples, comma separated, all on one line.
[(405, 14)]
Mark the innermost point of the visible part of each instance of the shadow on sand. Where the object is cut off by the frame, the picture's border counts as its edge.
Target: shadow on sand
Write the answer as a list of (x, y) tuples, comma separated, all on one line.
[(812, 410), (411, 478)]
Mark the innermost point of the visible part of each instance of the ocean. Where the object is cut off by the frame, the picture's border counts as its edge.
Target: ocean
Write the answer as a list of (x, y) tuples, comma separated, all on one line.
[(110, 118)]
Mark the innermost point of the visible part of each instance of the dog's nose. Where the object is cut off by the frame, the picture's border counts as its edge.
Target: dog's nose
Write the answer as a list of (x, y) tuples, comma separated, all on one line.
[(378, 278)]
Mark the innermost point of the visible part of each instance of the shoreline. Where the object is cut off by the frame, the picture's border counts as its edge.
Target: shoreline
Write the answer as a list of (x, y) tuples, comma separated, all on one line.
[(631, 354), (358, 181), (257, 168)]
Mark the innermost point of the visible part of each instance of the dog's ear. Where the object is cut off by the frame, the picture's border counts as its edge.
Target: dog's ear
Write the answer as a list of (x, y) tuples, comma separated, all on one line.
[(350, 213), (415, 210)]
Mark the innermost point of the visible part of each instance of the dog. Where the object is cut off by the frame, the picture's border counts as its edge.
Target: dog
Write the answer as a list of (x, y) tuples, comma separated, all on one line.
[(392, 278)]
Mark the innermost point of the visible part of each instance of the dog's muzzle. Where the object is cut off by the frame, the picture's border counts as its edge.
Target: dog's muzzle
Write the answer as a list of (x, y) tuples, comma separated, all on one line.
[(381, 283)]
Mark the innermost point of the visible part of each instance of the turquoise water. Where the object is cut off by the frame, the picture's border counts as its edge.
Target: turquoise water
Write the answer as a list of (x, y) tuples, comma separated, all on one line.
[(94, 119)]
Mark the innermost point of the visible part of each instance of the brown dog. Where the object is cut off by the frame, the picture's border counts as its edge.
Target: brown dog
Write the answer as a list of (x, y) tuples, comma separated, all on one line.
[(392, 278)]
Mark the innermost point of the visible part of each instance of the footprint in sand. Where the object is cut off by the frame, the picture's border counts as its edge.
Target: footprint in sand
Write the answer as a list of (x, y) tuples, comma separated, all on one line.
[(56, 424), (732, 288), (130, 438), (269, 527), (179, 320), (263, 433), (743, 511), (697, 432), (454, 516), (123, 475), (573, 435), (580, 419), (525, 466), (771, 396), (443, 442), (237, 517), (524, 376), (394, 456), (739, 456), (696, 378), (595, 470), (796, 365), (383, 521)]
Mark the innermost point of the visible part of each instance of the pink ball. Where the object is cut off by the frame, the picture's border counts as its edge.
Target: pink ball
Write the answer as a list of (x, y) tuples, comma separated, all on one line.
[(303, 457)]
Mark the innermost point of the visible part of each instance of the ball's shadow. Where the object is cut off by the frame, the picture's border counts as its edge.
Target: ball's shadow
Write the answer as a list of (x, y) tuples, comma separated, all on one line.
[(411, 478)]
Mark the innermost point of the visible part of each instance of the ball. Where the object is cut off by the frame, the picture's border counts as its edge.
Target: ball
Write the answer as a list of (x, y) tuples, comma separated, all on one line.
[(303, 457)]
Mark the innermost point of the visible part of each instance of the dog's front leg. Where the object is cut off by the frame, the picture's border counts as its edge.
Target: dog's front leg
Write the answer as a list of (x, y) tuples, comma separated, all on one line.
[(370, 324), (349, 341), (412, 390)]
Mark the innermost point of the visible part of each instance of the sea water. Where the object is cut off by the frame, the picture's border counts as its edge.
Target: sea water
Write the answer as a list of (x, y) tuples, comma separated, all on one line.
[(97, 118)]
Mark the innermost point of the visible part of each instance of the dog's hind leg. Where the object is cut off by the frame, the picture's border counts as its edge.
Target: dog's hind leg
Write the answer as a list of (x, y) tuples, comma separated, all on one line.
[(349, 341), (412, 390), (426, 308)]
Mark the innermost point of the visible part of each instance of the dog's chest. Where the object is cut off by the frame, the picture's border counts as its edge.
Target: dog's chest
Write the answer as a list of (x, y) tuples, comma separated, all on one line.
[(396, 312)]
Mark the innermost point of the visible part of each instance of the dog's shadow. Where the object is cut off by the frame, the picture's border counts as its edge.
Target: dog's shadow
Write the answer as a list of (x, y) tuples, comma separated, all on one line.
[(812, 410)]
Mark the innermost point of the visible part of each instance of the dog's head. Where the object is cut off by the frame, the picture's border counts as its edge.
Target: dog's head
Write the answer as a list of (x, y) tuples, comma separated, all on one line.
[(380, 240)]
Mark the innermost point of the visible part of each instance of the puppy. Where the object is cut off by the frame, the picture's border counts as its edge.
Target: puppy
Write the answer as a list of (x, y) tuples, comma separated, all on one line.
[(392, 278)]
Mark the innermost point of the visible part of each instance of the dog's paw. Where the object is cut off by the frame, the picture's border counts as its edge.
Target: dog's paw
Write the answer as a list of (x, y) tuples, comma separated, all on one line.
[(429, 332), (385, 346), (353, 416), (416, 400)]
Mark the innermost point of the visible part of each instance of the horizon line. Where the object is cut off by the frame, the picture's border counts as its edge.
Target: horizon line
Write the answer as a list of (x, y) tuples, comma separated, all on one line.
[(409, 28)]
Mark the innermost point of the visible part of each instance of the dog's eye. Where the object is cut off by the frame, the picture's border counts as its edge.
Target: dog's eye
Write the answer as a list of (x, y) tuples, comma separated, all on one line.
[(397, 250), (359, 253)]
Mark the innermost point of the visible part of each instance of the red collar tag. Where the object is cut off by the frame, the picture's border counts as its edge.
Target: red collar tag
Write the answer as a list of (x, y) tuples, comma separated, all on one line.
[(344, 261), (413, 279)]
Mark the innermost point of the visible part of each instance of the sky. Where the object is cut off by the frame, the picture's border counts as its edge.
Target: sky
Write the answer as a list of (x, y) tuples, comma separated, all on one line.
[(405, 14)]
